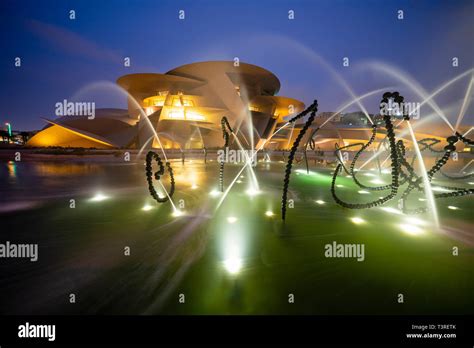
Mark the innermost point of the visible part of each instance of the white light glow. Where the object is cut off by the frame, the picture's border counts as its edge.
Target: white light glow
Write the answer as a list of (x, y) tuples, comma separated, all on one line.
[(194, 186), (376, 181), (269, 213), (411, 229), (392, 210), (233, 265), (178, 213), (195, 117), (440, 189), (320, 202), (363, 192), (231, 219), (252, 192), (452, 207), (99, 197), (214, 193), (147, 207), (339, 185), (357, 220), (415, 221), (177, 115)]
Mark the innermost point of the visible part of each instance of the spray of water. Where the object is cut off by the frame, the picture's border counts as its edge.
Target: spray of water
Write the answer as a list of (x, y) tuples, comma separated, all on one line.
[(111, 86), (426, 182), (465, 104)]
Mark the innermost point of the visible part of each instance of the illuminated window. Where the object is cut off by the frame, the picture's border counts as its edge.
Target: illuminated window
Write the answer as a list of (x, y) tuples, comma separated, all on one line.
[(154, 101), (149, 111), (178, 115), (194, 117), (254, 108), (186, 102)]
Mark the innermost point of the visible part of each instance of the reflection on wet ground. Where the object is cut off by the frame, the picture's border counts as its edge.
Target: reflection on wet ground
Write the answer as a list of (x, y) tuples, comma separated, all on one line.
[(118, 251)]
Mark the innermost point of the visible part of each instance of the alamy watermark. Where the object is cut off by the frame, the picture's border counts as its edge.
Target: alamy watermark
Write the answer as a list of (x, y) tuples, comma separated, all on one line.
[(68, 108), (411, 109), (28, 330), (12, 250), (237, 156), (345, 251)]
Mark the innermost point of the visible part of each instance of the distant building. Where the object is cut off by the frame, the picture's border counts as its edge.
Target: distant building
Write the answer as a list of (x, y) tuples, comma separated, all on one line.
[(324, 116), (357, 119)]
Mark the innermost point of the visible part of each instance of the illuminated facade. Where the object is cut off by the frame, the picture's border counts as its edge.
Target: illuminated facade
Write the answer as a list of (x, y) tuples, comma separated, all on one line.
[(184, 107)]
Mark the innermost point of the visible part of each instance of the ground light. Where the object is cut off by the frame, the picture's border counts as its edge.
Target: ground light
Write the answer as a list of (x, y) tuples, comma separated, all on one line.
[(411, 229), (452, 207), (177, 213), (252, 192), (302, 171), (320, 202), (415, 221), (147, 207), (99, 197), (391, 210), (412, 225), (357, 220), (233, 246), (377, 181), (269, 213), (231, 219), (440, 189), (214, 193), (233, 265)]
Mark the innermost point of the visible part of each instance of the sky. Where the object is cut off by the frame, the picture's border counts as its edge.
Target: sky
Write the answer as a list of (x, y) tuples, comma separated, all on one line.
[(82, 58)]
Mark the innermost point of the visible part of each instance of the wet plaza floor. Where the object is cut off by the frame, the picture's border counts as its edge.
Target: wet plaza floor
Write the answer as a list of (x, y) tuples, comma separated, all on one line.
[(233, 258)]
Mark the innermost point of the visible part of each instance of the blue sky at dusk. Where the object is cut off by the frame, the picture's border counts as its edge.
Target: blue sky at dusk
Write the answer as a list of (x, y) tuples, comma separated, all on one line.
[(61, 56)]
